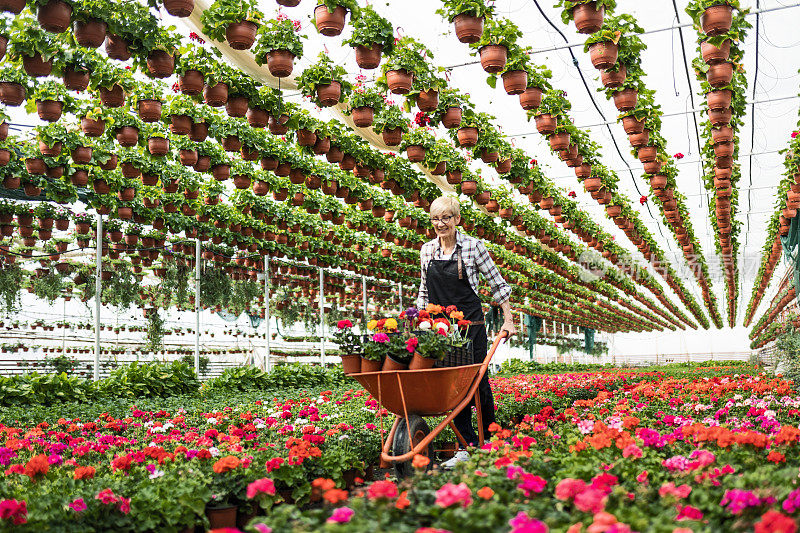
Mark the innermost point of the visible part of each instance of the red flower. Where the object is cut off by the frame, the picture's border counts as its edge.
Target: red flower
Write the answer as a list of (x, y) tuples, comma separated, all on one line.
[(773, 522), (84, 472), (678, 156), (227, 463), (14, 510), (572, 194), (795, 134), (382, 489), (37, 465), (643, 200)]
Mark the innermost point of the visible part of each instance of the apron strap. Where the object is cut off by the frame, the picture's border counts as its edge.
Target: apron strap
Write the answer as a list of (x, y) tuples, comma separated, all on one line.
[(460, 265)]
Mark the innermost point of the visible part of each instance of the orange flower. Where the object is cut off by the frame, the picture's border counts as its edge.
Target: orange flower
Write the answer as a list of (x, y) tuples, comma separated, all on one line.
[(434, 309), (403, 501), (227, 463), (776, 457), (84, 472), (420, 461), (334, 496), (486, 493), (494, 427), (457, 315), (37, 464), (323, 484)]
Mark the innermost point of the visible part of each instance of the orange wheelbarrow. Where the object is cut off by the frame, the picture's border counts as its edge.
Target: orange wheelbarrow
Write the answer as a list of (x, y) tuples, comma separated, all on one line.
[(413, 394)]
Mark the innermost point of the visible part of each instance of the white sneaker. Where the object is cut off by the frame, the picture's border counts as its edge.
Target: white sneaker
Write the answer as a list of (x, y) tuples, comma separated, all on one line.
[(459, 457)]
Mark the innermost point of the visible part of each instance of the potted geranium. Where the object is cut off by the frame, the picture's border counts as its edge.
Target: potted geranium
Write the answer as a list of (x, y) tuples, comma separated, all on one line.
[(324, 81), (406, 61), (14, 85), (416, 143), (391, 124), (715, 17), (538, 83), (50, 99), (350, 345), (587, 14), (279, 45), (111, 83), (148, 97), (329, 15), (372, 36), (364, 103), (498, 37), (450, 109), (235, 20), (468, 17), (89, 26), (34, 46)]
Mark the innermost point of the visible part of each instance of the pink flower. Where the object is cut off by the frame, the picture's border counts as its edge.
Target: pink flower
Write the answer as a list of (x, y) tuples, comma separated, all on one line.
[(522, 523), (795, 134), (382, 489), (106, 496), (14, 510), (263, 528), (451, 494), (125, 505), (792, 502), (670, 488), (344, 324), (531, 484), (632, 450), (78, 505), (687, 512), (260, 486), (736, 500), (590, 501), (381, 337), (341, 515), (569, 488), (411, 344), (642, 478)]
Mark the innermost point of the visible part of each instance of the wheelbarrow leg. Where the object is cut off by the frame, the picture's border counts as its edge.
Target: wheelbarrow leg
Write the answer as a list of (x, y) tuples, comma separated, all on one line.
[(459, 437), (387, 444), (479, 414)]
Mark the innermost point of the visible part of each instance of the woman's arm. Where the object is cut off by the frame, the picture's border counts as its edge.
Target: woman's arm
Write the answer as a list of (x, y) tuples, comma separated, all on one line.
[(501, 290)]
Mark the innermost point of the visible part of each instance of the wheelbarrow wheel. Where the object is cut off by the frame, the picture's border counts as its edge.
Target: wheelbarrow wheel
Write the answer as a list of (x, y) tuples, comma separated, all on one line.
[(403, 444)]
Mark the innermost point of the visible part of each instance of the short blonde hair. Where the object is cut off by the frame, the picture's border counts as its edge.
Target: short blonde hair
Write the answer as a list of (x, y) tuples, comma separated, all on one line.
[(445, 205)]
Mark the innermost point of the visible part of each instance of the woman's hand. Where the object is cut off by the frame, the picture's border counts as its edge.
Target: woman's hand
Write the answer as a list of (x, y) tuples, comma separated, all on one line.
[(508, 325)]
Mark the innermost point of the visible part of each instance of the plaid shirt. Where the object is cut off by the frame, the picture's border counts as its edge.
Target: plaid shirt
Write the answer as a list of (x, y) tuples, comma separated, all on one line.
[(476, 259)]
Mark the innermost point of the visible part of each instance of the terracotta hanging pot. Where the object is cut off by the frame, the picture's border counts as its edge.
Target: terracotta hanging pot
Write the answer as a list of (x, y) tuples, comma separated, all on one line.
[(221, 172), (493, 58), (603, 54), (614, 210), (329, 24), (180, 124), (49, 110), (588, 18), (454, 177), (188, 158), (203, 163), (631, 125), (452, 117), (306, 137), (236, 106), (92, 127), (559, 141), (329, 94), (625, 100), (658, 181), (489, 157), (467, 136), (112, 97), (191, 83), (160, 64), (545, 123), (82, 155), (399, 81), (592, 184), (12, 94), (217, 95), (638, 140), (722, 134), (241, 35), (720, 117), (720, 74), (584, 170), (428, 101), (241, 181), (439, 169), (149, 110), (90, 33), (257, 118), (158, 146), (468, 28), (54, 16), (415, 153), (117, 48), (719, 99), (199, 132), (724, 162), (717, 19), (515, 81), (652, 167), (363, 116), (647, 153), (368, 58), (724, 149), (722, 173), (127, 136), (712, 54), (280, 63), (530, 98), (76, 80), (36, 66), (179, 8), (12, 6)]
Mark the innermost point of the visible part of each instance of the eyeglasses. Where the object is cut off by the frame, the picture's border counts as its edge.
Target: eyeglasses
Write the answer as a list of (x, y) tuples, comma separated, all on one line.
[(443, 220)]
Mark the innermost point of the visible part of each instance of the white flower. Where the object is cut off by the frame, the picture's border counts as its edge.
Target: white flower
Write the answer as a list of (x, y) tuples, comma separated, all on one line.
[(441, 326), (425, 326), (214, 451), (212, 421), (156, 473), (342, 437)]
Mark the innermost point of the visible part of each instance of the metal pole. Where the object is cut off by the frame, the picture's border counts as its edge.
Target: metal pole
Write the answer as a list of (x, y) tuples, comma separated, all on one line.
[(400, 292), (364, 296), (98, 287), (322, 315), (266, 310), (197, 259)]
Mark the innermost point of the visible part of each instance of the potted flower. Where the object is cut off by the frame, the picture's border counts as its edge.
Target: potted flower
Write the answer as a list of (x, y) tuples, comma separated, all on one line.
[(603, 47), (111, 84), (364, 103), (715, 17), (329, 15), (159, 47), (324, 82), (148, 97), (14, 85), (50, 99), (547, 113), (126, 126), (192, 66), (279, 45), (406, 61), (587, 14), (498, 37), (416, 143), (515, 73), (468, 17), (372, 36), (89, 26), (391, 124), (235, 20), (538, 83), (450, 109)]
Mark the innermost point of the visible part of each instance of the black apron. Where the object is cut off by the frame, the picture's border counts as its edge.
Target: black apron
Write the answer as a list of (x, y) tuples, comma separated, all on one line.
[(447, 284)]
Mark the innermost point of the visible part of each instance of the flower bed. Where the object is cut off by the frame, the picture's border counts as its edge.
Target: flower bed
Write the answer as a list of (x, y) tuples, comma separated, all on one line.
[(696, 447)]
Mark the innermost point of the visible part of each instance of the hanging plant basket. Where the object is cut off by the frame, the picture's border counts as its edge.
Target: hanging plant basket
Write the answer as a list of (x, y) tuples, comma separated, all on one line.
[(113, 97), (717, 19), (149, 110), (428, 101), (722, 134), (637, 140), (493, 58), (468, 28), (117, 48), (191, 83), (392, 137), (329, 94), (545, 123), (12, 6), (467, 136), (399, 81), (720, 117), (329, 24), (49, 110), (241, 35), (625, 100), (55, 16), (559, 141), (36, 66), (530, 98), (236, 106), (712, 54), (160, 64), (515, 82), (158, 146), (588, 18), (603, 54), (179, 8), (363, 116), (90, 33), (127, 136), (369, 58), (452, 117), (12, 94), (280, 63), (720, 74)]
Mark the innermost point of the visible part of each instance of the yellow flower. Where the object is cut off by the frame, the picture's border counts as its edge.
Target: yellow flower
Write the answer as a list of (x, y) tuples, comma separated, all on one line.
[(390, 324), (372, 324)]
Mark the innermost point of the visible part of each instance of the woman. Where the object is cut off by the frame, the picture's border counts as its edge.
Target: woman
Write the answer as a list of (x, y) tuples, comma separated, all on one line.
[(450, 266)]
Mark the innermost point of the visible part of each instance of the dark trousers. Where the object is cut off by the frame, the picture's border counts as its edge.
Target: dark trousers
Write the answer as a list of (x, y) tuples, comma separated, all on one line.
[(463, 420)]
